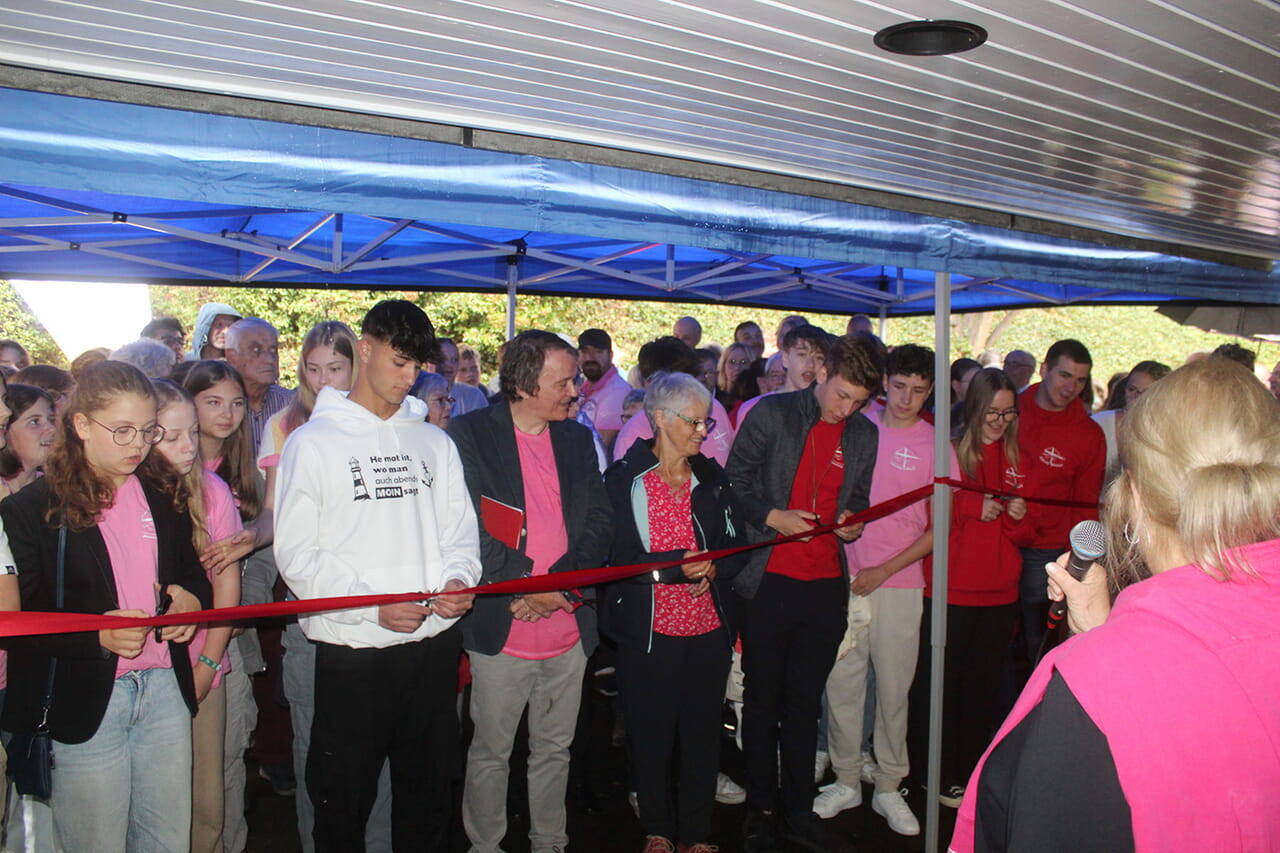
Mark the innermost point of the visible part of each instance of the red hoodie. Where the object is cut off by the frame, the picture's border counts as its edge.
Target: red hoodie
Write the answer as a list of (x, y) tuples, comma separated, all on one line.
[(1064, 456), (984, 562)]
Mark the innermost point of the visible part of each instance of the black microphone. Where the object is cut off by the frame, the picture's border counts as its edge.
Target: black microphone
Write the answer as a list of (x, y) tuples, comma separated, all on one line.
[(1088, 545)]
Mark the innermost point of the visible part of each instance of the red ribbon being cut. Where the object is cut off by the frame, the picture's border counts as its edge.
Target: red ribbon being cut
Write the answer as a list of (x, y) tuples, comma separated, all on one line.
[(29, 623)]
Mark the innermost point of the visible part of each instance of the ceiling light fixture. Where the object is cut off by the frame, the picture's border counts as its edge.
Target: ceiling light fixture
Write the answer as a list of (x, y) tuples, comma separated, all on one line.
[(930, 38)]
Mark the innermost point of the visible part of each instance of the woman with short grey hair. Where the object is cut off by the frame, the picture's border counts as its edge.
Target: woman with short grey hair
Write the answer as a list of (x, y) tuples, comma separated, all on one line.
[(153, 358), (673, 392), (433, 389), (673, 626)]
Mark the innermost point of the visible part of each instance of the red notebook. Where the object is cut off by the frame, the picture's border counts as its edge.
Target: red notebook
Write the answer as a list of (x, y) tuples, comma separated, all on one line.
[(502, 521)]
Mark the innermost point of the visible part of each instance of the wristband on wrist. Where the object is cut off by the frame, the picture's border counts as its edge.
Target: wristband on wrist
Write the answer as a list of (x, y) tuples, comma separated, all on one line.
[(211, 663)]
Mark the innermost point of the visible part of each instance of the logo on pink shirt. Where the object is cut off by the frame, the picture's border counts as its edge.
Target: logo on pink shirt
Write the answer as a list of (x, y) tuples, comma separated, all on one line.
[(904, 459)]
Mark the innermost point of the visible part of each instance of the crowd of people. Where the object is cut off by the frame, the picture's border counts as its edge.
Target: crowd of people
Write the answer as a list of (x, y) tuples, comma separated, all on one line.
[(165, 479)]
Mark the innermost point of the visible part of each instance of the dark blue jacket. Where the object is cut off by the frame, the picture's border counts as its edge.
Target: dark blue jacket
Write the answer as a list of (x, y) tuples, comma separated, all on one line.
[(627, 607), (86, 672)]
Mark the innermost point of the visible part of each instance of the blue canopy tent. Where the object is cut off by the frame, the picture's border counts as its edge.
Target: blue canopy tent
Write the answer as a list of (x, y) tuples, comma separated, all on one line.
[(119, 191), (101, 190)]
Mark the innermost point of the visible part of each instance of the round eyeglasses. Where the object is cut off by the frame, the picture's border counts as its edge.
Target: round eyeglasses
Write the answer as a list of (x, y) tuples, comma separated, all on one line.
[(124, 435), (707, 424)]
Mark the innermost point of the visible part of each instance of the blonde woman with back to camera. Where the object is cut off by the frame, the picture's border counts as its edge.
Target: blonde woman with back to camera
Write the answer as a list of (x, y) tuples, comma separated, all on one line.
[(1154, 728)]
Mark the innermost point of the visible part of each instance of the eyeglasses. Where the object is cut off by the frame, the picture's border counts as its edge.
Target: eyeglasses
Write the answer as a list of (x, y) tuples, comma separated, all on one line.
[(706, 424), (1007, 415), (441, 401), (124, 435)]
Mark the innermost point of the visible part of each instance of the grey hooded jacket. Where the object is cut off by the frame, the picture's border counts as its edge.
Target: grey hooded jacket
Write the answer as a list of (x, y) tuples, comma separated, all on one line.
[(762, 467)]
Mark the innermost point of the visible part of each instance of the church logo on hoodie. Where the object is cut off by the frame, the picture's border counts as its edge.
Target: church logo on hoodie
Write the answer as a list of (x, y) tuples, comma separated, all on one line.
[(1053, 457)]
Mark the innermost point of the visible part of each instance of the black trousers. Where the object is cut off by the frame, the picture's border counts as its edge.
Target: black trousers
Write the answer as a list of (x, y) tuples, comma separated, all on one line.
[(976, 659), (396, 704), (790, 635), (672, 697)]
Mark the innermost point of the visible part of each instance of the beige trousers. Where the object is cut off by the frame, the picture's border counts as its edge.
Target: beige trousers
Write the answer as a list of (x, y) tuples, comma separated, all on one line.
[(890, 642), (208, 731)]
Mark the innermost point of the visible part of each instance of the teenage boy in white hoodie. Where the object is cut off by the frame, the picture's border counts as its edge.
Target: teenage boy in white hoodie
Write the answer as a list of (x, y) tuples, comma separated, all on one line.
[(371, 499)]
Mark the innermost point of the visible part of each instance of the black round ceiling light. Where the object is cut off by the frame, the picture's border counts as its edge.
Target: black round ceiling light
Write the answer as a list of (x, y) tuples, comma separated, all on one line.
[(930, 38)]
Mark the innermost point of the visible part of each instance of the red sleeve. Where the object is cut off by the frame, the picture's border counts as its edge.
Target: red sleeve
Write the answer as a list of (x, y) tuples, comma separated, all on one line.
[(1088, 485), (966, 504), (1020, 533)]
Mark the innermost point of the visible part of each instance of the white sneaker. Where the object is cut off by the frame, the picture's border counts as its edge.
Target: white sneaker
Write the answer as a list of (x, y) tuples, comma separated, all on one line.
[(893, 808), (835, 798), (821, 761), (729, 792), (952, 797), (868, 772)]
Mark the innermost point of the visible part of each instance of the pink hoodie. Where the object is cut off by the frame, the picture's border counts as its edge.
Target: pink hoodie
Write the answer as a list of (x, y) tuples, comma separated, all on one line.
[(1184, 682)]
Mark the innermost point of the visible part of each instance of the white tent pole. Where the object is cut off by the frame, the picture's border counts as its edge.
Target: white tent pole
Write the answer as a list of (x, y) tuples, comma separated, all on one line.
[(941, 537), (513, 278)]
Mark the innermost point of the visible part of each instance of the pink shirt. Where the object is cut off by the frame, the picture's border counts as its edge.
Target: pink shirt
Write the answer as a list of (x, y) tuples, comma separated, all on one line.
[(716, 445), (602, 400), (130, 534), (904, 461), (675, 612), (748, 405), (546, 542), (1181, 679), (224, 521)]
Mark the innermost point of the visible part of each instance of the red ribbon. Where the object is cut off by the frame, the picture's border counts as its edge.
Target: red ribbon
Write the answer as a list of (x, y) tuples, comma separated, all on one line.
[(972, 487), (30, 623)]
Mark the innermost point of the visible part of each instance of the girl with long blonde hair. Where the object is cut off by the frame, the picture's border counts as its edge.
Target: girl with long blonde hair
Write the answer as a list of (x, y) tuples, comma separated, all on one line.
[(175, 464)]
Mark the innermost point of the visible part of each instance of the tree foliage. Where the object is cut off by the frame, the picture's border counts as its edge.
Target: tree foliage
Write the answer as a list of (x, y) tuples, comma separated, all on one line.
[(1118, 337), (18, 323)]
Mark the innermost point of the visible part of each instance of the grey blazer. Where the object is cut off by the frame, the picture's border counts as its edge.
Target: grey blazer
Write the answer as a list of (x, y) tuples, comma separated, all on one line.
[(763, 463), (486, 441)]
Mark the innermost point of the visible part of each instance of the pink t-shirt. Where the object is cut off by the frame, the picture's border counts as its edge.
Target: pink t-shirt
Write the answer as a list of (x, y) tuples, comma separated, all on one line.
[(130, 534), (224, 521), (716, 445), (748, 405), (904, 461), (602, 400), (546, 542)]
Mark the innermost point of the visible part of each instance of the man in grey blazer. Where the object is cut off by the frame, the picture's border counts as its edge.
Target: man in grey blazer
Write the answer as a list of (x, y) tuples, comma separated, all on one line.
[(800, 459), (533, 477)]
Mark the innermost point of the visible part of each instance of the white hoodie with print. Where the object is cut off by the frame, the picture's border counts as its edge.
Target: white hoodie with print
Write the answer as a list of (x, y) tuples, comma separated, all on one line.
[(368, 506)]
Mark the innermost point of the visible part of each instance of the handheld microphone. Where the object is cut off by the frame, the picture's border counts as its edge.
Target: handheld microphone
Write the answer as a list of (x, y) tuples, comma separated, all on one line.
[(1088, 545)]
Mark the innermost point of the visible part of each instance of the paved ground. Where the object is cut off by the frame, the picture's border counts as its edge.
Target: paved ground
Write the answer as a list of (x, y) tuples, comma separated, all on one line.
[(610, 827)]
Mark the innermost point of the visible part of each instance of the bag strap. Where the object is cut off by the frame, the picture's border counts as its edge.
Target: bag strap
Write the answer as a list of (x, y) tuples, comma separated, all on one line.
[(53, 661)]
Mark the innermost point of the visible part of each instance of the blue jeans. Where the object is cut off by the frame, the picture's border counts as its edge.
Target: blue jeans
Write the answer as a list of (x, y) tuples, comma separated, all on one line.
[(128, 787), (1033, 595)]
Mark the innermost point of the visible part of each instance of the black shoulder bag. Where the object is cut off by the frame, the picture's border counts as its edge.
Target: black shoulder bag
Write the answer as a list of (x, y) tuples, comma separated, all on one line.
[(31, 752)]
